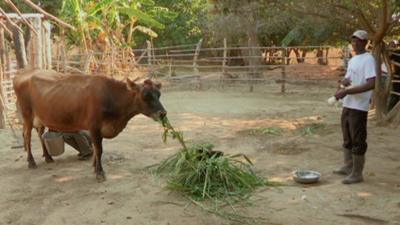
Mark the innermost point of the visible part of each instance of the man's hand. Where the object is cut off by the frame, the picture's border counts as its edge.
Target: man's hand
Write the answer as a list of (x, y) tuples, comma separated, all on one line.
[(345, 82), (341, 94)]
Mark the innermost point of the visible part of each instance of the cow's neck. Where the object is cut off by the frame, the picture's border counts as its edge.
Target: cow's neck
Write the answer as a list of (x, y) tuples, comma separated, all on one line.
[(124, 112)]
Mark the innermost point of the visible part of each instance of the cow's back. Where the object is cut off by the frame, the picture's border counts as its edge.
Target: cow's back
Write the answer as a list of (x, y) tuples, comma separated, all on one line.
[(65, 102)]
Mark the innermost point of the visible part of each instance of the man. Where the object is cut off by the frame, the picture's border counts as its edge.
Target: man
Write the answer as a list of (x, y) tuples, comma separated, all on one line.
[(359, 80), (80, 141)]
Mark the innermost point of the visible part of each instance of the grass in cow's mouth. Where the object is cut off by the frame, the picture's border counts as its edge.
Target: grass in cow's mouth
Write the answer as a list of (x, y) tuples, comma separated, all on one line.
[(201, 173)]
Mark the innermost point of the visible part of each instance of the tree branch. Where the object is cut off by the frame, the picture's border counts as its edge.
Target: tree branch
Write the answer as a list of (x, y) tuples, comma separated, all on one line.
[(37, 8), (363, 19), (384, 24), (323, 16), (10, 3), (10, 21)]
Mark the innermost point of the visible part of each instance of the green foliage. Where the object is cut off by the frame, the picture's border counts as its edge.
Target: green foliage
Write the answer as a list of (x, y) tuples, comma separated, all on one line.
[(269, 130), (51, 6), (196, 174), (114, 19), (200, 172), (184, 21), (311, 128)]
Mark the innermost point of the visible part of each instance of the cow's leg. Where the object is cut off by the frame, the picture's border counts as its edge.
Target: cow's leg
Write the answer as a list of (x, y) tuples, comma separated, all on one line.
[(46, 154), (27, 144), (97, 140)]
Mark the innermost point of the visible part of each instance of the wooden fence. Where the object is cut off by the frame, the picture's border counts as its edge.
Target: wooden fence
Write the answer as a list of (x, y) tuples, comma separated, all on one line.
[(36, 54), (246, 64)]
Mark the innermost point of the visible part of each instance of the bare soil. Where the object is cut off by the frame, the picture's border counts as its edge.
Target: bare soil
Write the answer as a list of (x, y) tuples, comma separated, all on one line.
[(66, 192)]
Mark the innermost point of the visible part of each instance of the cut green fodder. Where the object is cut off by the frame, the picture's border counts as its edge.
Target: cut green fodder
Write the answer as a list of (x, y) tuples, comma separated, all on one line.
[(268, 131), (201, 173), (311, 129)]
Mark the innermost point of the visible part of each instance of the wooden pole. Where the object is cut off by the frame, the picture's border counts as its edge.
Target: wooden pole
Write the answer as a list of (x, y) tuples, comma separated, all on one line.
[(170, 71), (63, 51), (196, 56), (2, 51), (251, 65), (57, 57), (149, 57), (3, 26), (8, 60), (38, 47), (2, 111), (224, 59), (20, 50), (88, 60), (47, 44), (283, 84)]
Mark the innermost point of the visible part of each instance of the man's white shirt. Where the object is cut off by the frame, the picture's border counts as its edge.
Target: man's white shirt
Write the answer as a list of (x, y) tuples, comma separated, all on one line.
[(361, 67)]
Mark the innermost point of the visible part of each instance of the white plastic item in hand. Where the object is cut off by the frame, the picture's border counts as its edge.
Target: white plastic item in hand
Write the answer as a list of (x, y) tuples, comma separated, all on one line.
[(332, 100)]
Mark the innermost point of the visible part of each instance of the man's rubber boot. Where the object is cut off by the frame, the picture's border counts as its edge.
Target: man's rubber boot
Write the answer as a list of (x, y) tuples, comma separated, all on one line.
[(348, 163), (358, 167)]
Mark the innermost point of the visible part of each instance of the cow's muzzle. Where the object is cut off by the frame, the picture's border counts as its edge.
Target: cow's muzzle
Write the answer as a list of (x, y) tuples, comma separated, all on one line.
[(159, 115)]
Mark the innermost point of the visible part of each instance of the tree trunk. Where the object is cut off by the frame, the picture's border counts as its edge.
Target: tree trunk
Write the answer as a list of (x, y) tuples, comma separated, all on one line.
[(380, 93)]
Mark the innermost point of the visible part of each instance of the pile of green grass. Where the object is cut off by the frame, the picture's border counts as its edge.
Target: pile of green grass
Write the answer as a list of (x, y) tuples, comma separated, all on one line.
[(200, 172), (311, 128)]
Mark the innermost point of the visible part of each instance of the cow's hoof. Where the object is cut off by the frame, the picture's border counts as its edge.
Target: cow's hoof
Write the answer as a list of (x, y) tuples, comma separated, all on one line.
[(101, 177), (32, 165), (84, 157), (49, 160)]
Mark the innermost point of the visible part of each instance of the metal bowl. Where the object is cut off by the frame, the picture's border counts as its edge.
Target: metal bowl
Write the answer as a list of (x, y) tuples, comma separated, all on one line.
[(306, 176)]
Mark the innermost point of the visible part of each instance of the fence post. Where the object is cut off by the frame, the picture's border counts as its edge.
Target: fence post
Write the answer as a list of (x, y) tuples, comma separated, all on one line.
[(224, 59), (19, 45), (149, 58), (63, 51), (2, 49), (37, 53), (88, 60), (2, 112), (251, 64), (283, 84), (47, 44), (196, 56)]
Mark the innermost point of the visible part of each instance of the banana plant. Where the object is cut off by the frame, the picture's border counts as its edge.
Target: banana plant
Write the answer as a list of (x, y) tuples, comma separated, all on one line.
[(110, 21)]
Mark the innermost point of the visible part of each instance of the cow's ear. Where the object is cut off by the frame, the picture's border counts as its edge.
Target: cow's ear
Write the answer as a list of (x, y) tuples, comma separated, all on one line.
[(131, 85), (158, 85)]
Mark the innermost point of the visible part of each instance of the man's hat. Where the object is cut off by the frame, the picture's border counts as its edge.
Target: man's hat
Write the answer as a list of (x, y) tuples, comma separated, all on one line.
[(360, 34)]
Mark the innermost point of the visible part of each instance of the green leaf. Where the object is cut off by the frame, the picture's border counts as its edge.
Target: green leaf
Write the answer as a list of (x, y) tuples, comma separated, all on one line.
[(100, 6), (147, 31), (142, 17)]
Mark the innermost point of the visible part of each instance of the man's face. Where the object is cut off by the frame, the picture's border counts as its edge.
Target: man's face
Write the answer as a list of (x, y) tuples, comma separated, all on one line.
[(358, 44)]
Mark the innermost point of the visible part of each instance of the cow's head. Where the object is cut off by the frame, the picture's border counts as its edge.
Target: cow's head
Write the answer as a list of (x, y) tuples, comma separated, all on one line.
[(148, 98)]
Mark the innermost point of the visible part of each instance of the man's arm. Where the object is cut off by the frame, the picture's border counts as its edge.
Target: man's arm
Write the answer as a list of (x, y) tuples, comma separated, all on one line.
[(357, 89)]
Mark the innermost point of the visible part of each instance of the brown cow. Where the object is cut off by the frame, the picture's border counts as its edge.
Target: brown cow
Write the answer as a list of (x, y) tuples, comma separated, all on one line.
[(76, 102)]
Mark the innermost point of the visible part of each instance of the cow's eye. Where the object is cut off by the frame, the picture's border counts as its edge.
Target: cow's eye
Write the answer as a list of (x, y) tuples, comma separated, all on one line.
[(148, 96)]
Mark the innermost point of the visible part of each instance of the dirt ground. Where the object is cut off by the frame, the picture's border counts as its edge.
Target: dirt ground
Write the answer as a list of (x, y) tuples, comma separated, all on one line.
[(66, 192)]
